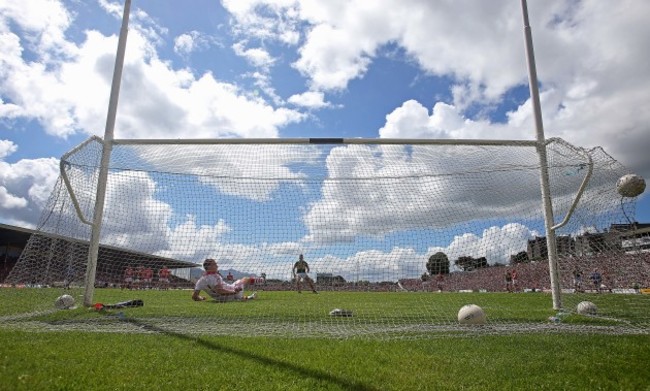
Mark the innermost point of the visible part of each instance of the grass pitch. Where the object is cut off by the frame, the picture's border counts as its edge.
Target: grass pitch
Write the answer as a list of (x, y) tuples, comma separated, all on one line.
[(162, 358)]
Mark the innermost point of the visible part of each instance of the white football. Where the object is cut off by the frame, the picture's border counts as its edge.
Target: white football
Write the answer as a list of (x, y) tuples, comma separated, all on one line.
[(471, 314), (630, 185), (64, 302), (340, 312), (586, 308)]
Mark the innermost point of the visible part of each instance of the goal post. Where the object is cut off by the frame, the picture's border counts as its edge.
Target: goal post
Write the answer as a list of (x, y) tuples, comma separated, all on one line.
[(106, 153), (398, 234)]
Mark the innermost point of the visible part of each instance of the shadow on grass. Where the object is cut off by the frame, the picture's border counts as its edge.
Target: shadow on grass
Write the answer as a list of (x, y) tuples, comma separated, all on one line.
[(299, 370)]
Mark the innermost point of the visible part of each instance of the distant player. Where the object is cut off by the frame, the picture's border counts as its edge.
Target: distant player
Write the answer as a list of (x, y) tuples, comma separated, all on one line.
[(440, 279), (163, 278), (128, 278), (300, 270), (508, 281), (262, 279), (147, 278), (514, 276), (577, 280), (596, 279)]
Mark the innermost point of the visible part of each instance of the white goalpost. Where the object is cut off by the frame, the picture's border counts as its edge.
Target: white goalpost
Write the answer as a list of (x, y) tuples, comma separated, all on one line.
[(106, 156), (399, 234)]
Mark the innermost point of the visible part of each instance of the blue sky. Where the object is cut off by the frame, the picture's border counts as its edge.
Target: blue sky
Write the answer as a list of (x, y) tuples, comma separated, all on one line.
[(292, 68)]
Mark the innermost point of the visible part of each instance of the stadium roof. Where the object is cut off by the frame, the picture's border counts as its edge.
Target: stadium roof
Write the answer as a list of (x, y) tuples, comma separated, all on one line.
[(19, 236)]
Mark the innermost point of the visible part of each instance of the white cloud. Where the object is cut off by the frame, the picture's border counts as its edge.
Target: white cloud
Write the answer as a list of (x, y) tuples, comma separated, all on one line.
[(309, 99), (331, 58), (137, 217), (7, 148), (261, 59), (378, 190), (497, 244), (43, 22), (113, 8), (412, 120), (187, 43), (252, 172), (184, 44), (284, 248), (482, 51), (342, 38), (204, 239), (8, 201), (66, 89), (590, 60), (258, 57), (278, 19), (24, 186), (373, 265)]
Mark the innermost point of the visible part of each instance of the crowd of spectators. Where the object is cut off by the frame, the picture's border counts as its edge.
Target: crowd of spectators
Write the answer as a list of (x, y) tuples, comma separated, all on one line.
[(596, 273), (601, 273)]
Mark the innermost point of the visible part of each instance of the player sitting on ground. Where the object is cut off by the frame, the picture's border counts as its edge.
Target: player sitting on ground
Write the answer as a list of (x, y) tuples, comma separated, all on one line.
[(212, 284)]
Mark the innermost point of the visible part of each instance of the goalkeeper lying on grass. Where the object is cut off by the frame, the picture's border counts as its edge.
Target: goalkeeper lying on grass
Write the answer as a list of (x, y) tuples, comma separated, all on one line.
[(212, 283)]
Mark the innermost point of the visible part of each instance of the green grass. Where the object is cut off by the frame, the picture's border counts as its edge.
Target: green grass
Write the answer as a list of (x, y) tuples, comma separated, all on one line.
[(100, 361), (369, 308), (162, 359)]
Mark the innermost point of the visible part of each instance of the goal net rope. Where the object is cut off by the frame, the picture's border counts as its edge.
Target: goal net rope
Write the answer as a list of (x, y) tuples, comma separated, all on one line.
[(397, 237)]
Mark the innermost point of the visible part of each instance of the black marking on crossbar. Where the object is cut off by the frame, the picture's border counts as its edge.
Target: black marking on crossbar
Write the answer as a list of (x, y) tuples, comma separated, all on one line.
[(326, 141)]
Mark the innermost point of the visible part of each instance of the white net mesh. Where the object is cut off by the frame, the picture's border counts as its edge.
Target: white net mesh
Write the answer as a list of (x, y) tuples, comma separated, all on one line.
[(398, 237)]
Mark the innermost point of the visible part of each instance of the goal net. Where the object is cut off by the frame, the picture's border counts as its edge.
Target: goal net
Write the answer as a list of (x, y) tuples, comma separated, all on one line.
[(397, 237)]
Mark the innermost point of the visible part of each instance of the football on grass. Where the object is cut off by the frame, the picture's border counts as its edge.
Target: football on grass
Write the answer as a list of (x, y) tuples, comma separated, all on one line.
[(64, 302), (471, 314), (586, 308), (341, 313)]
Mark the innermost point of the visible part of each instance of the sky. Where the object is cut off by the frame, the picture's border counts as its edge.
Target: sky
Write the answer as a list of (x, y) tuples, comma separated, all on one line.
[(316, 68)]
